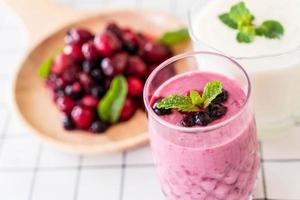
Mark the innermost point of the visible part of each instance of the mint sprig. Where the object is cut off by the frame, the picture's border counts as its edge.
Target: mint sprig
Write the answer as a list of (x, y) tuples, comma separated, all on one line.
[(45, 67), (240, 18), (109, 108), (194, 101), (174, 37)]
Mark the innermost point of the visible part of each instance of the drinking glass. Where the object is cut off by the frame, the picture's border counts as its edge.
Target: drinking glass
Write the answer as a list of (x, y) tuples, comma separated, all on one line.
[(275, 79), (219, 161)]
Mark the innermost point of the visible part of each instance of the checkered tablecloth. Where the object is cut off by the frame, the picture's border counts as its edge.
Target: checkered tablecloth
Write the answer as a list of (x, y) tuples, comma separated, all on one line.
[(29, 170)]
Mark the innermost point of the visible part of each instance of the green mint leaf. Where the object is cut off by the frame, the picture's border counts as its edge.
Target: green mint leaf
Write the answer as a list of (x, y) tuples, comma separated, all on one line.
[(45, 67), (111, 105), (228, 21), (179, 102), (246, 34), (174, 37), (240, 14), (211, 91), (196, 98), (270, 29)]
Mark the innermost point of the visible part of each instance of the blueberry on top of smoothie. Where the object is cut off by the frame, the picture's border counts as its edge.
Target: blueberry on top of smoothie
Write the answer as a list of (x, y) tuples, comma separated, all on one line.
[(199, 108)]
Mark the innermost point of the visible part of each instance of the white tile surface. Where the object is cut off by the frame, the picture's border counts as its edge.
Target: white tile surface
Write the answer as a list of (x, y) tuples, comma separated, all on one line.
[(19, 153), (286, 146), (121, 3), (98, 184), (163, 5), (4, 89), (12, 39), (89, 4), (3, 120), (15, 185), (56, 184), (103, 160), (139, 156), (16, 127), (9, 60), (282, 180), (141, 183), (52, 158)]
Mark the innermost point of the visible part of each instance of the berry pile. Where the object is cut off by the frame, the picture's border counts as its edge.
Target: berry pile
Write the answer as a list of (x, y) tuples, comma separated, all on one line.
[(81, 75), (214, 111)]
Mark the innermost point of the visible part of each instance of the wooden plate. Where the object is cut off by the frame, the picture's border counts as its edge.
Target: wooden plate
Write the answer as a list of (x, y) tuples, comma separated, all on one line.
[(38, 111)]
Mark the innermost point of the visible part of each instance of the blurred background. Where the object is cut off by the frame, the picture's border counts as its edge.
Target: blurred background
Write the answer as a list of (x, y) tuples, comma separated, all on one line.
[(30, 170)]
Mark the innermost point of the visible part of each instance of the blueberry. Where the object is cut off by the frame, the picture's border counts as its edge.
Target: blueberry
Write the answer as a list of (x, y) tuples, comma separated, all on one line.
[(89, 65), (60, 92), (161, 111), (202, 119), (221, 98), (68, 123), (98, 91), (99, 127), (216, 110), (98, 75), (188, 121)]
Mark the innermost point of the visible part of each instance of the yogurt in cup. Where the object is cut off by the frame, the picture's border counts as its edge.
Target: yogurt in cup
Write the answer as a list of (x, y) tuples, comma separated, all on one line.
[(272, 64)]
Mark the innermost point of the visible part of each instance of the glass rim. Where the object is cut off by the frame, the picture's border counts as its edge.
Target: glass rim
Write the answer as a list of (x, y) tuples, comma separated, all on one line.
[(194, 129), (262, 56)]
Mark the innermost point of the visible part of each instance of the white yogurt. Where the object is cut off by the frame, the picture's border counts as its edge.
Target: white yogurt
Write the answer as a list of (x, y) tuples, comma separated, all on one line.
[(275, 79)]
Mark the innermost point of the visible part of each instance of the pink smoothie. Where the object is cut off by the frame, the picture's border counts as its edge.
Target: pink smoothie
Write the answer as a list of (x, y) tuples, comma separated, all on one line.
[(217, 164)]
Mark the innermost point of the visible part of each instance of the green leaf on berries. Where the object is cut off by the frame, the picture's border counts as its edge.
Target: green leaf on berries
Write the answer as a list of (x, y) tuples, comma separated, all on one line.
[(174, 37), (211, 91), (110, 107), (45, 67), (196, 98), (179, 102)]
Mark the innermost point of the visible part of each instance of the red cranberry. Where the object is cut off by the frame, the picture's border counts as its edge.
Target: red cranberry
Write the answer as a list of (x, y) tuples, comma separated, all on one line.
[(82, 117), (114, 65), (65, 104), (89, 51), (71, 73), (74, 51), (90, 101), (78, 36), (136, 67), (155, 53), (60, 63), (113, 28), (107, 67), (59, 83), (74, 90), (128, 109), (86, 81), (107, 44), (130, 42), (135, 87)]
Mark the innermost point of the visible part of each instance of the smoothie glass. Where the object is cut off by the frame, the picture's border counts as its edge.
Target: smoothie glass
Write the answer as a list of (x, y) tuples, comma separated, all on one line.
[(275, 79), (219, 161)]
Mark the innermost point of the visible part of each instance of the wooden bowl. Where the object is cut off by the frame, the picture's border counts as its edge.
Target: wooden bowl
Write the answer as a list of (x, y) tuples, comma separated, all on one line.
[(36, 107)]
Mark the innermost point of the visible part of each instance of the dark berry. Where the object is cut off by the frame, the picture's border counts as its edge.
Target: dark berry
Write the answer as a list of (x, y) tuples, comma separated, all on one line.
[(98, 75), (89, 51), (161, 111), (188, 121), (61, 63), (82, 117), (135, 87), (65, 104), (216, 111), (221, 98), (74, 51), (107, 44), (155, 53), (98, 91), (128, 109), (68, 123), (114, 29), (99, 127), (202, 119), (130, 42), (89, 65), (74, 91), (136, 67), (78, 36), (90, 101)]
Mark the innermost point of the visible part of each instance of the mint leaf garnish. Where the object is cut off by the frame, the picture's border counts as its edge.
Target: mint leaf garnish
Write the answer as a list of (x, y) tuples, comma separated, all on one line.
[(228, 21), (211, 91), (110, 106), (194, 102), (179, 102), (174, 37), (239, 17), (196, 98), (270, 29), (45, 67)]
